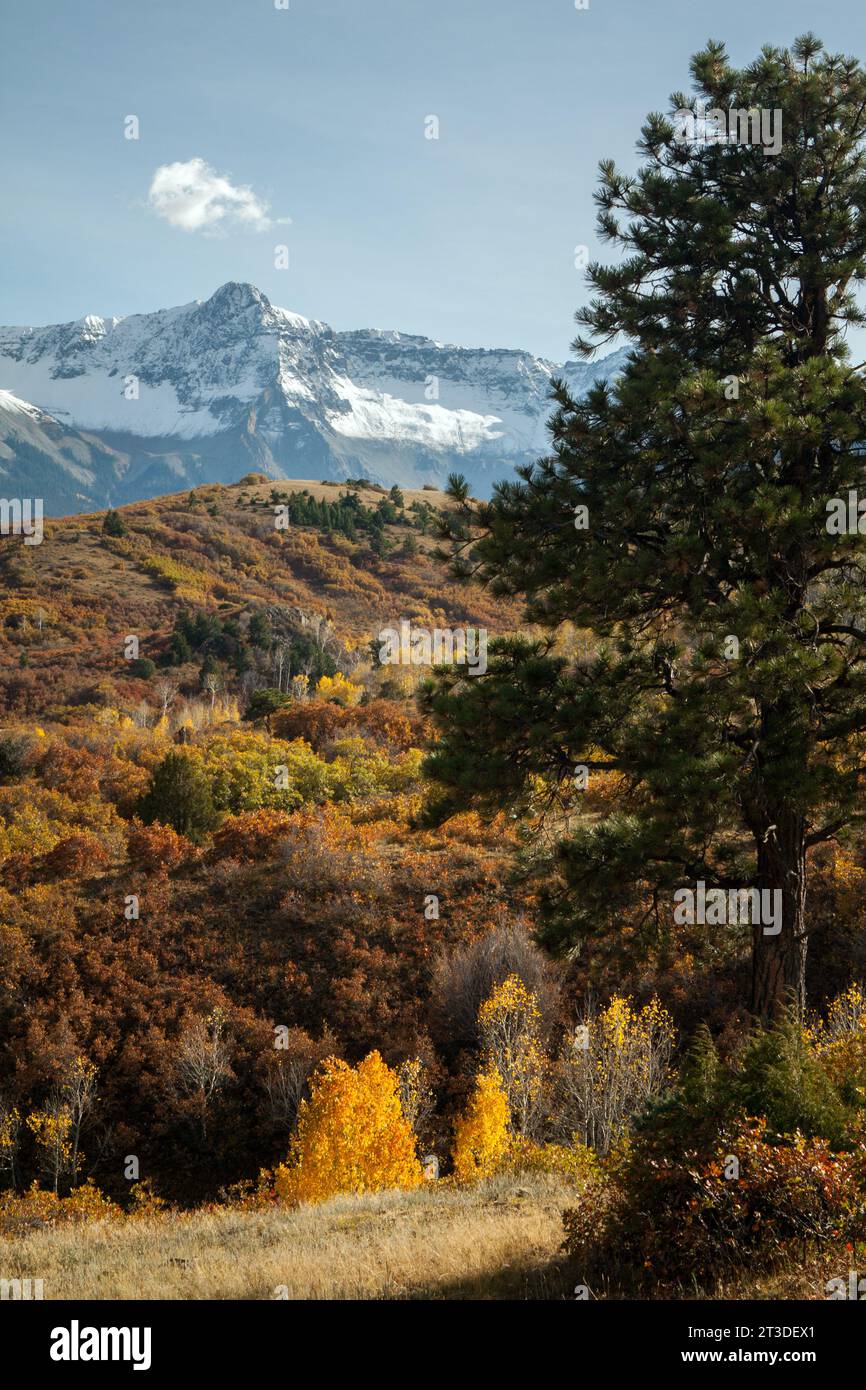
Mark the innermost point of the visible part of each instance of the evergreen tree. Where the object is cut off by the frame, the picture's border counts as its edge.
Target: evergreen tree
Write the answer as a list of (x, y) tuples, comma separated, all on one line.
[(701, 1073), (457, 487), (782, 1077), (259, 630), (179, 796), (266, 702), (180, 650), (685, 517), (143, 668), (209, 667), (113, 524)]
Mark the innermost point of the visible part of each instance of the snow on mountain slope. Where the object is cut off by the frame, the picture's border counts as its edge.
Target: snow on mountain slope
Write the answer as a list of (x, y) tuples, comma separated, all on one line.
[(13, 405), (208, 390), (41, 457)]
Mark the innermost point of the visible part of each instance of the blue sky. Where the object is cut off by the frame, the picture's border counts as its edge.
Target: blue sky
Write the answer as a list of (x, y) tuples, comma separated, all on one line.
[(319, 112)]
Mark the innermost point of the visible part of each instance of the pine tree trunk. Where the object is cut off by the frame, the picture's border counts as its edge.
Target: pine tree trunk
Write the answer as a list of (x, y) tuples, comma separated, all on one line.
[(779, 960)]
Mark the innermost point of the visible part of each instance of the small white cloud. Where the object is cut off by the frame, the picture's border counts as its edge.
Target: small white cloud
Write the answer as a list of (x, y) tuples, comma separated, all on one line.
[(193, 196)]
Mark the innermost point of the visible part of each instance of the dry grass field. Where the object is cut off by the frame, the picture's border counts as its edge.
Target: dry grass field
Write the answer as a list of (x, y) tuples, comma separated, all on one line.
[(497, 1240)]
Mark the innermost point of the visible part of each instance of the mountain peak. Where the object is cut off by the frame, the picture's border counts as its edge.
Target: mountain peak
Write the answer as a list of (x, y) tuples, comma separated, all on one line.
[(236, 296)]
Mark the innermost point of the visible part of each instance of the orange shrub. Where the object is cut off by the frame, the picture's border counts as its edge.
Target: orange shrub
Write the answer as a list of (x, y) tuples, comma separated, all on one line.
[(38, 1207), (144, 1201), (154, 847), (87, 1203), (321, 721), (388, 722), (75, 854), (71, 770), (252, 835), (317, 721)]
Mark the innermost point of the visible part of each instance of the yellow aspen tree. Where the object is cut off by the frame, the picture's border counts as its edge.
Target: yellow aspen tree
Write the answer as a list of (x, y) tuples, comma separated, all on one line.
[(10, 1127), (615, 1061), (416, 1093), (51, 1128), (352, 1135), (481, 1134), (509, 1023), (339, 689)]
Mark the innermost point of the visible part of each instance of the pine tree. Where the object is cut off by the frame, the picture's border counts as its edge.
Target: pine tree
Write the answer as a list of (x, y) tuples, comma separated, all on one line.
[(701, 1072), (179, 796), (113, 524), (685, 516), (259, 630), (457, 487)]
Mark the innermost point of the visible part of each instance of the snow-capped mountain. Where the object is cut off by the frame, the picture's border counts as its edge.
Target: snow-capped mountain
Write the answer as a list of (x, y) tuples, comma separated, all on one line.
[(126, 408)]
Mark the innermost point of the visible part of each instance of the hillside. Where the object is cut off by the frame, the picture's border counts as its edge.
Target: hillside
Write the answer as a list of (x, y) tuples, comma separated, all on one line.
[(41, 457), (67, 604), (225, 916), (299, 900)]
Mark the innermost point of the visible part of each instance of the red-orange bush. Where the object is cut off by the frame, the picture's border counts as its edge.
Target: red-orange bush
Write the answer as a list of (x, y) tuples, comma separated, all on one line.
[(75, 771), (75, 854), (317, 721), (320, 721), (716, 1206), (154, 847), (252, 835)]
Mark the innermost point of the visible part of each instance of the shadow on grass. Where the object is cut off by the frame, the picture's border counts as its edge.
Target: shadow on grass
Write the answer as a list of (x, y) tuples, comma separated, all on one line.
[(526, 1281)]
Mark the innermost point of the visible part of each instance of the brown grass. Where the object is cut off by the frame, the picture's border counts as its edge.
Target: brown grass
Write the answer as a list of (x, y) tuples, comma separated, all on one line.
[(497, 1240)]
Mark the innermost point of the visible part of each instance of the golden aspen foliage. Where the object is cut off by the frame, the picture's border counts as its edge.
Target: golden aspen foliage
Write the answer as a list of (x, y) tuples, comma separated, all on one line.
[(340, 689), (416, 1093), (615, 1061), (52, 1130), (352, 1135), (10, 1124), (481, 1134), (144, 1202), (839, 1040), (509, 1023)]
